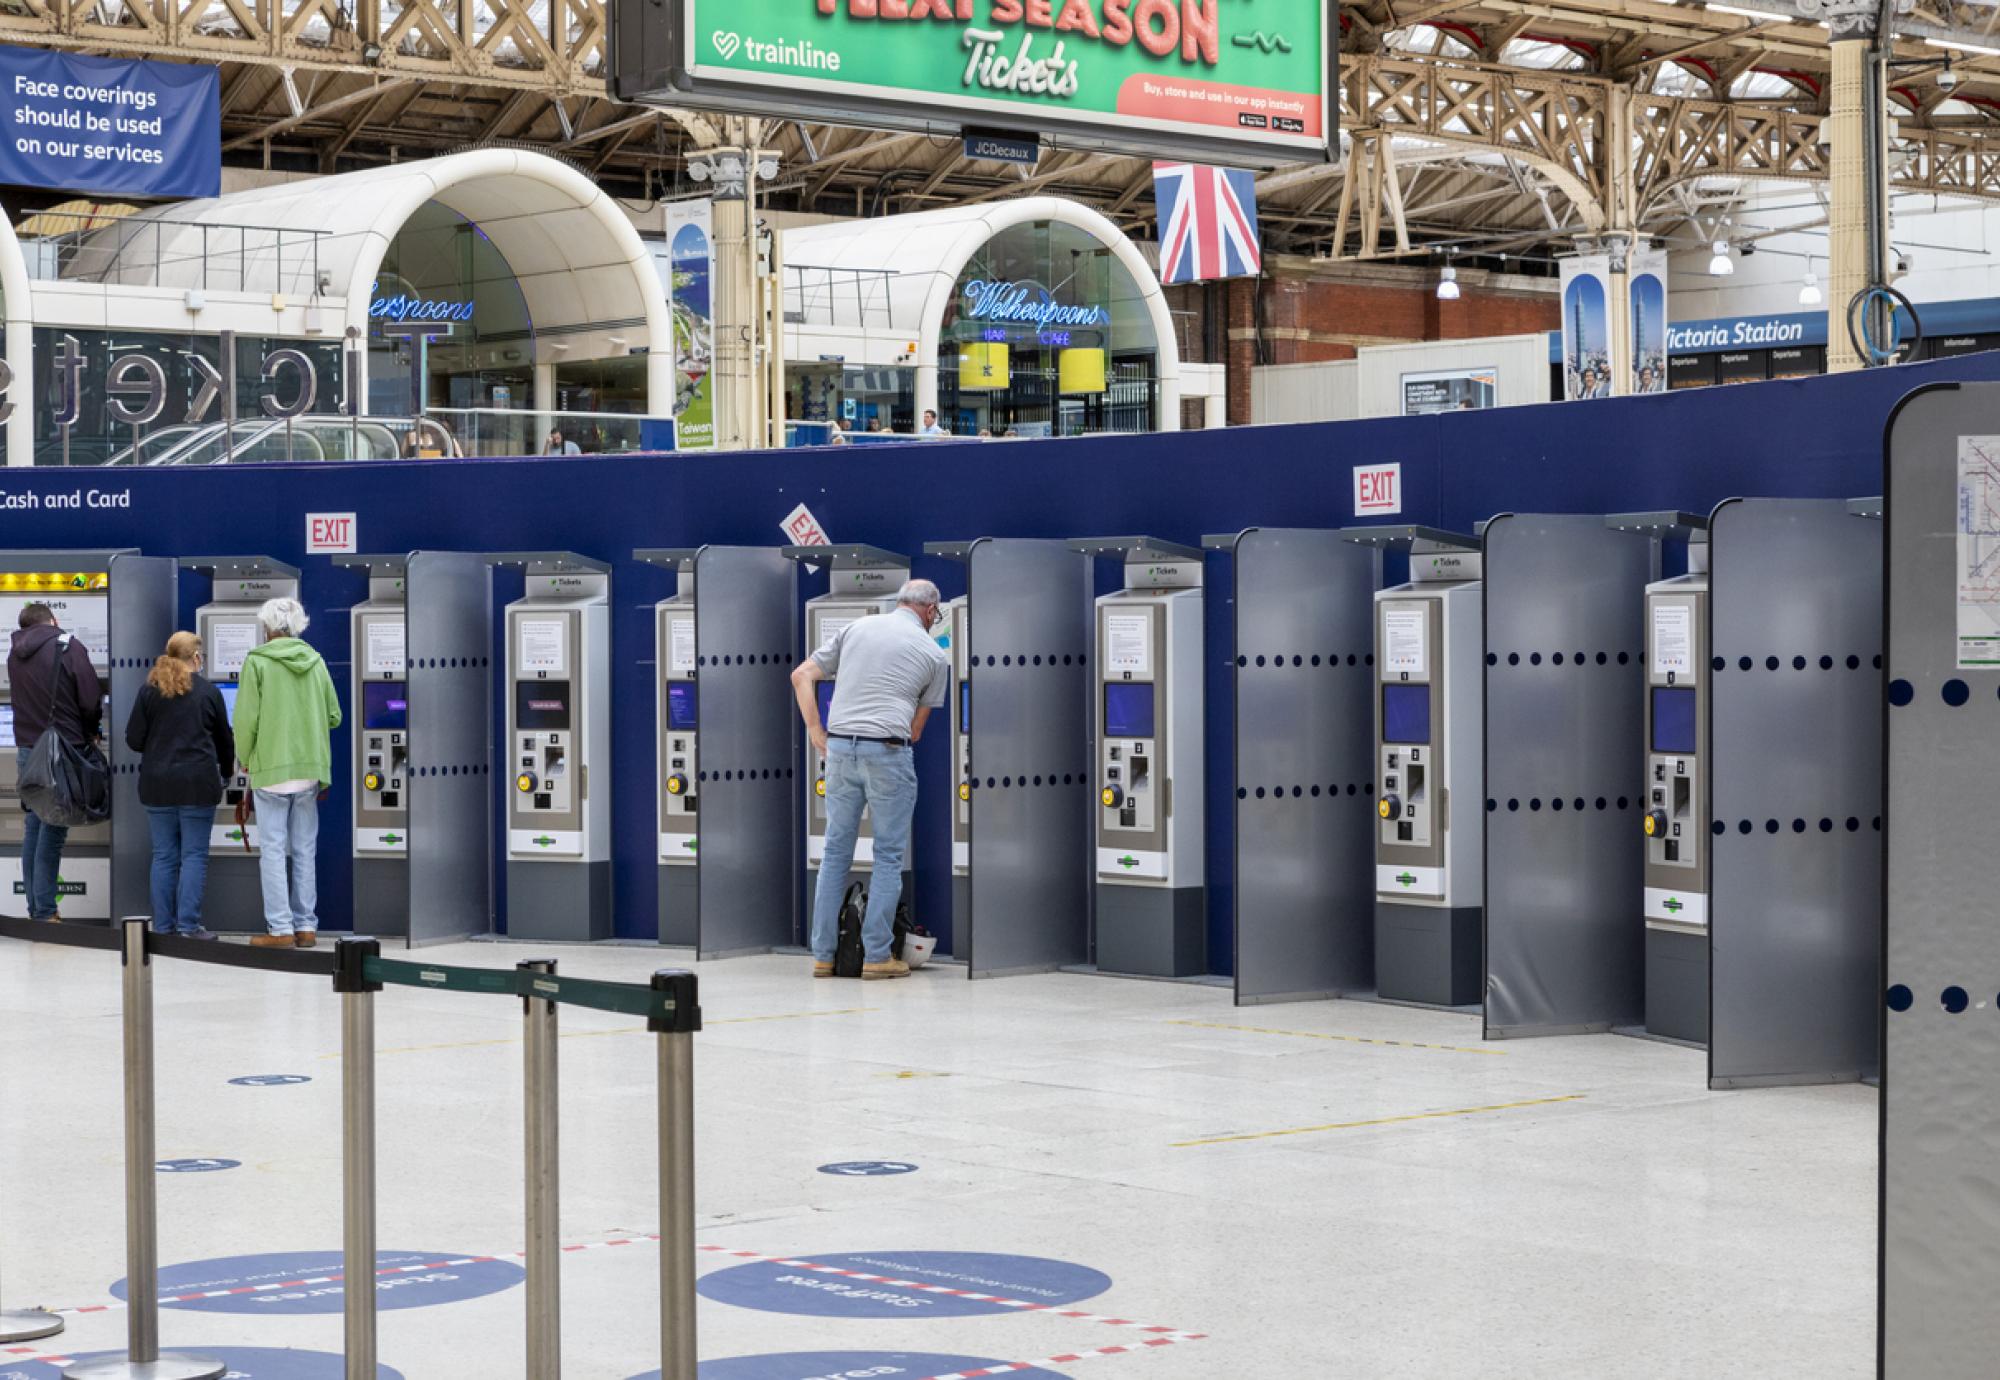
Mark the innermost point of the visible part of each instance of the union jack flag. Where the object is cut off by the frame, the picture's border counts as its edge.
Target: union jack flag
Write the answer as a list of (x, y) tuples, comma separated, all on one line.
[(1208, 223)]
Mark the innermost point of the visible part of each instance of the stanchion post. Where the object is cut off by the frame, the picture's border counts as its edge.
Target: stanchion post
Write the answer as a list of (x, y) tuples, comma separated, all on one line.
[(357, 1152), (676, 1031), (539, 1167), (142, 1360)]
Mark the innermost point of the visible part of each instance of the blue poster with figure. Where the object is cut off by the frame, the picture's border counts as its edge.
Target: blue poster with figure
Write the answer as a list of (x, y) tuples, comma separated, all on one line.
[(90, 124)]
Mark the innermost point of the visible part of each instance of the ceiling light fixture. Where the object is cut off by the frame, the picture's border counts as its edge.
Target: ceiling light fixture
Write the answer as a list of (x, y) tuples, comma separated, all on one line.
[(1809, 293), (1721, 266), (1448, 284)]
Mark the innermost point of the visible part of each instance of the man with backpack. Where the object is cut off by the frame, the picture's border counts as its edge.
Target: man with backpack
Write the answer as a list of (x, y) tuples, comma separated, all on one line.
[(54, 689), (888, 675)]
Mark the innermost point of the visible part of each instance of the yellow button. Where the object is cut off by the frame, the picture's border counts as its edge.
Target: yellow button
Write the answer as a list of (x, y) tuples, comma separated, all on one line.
[(819, 786), (674, 784), (965, 790), (1108, 796), (1383, 808), (372, 781), (525, 782), (1651, 827)]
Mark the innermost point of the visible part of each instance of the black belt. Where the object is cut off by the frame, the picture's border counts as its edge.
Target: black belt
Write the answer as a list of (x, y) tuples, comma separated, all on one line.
[(857, 738)]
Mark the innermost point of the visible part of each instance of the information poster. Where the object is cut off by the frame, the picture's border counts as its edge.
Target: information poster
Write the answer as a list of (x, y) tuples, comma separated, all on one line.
[(1128, 643), (680, 640), (1450, 390), (1979, 551), (1405, 644), (833, 625), (231, 642), (544, 646), (87, 618), (383, 649), (1673, 639)]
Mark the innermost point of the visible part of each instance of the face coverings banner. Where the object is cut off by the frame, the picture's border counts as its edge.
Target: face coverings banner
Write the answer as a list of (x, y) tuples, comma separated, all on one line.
[(89, 124)]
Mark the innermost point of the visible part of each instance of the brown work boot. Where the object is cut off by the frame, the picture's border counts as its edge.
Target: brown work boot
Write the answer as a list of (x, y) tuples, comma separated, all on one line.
[(271, 941), (821, 970), (305, 939), (887, 968)]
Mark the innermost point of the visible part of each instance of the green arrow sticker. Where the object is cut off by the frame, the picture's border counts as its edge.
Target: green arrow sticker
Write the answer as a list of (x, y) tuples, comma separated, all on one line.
[(392, 839), (1128, 861), (1672, 905), (542, 841), (688, 844), (1406, 879)]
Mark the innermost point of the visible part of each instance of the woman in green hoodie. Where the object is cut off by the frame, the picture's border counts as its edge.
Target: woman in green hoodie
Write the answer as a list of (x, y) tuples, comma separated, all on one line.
[(285, 710)]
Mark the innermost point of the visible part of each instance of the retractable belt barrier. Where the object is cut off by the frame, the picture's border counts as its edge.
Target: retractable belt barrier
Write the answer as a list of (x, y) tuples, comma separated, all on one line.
[(670, 1006)]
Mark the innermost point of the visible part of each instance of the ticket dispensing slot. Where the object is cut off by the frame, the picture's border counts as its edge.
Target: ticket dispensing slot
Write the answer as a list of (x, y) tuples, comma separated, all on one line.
[(1151, 890), (1428, 753), (229, 631), (1675, 823), (558, 781), (862, 581)]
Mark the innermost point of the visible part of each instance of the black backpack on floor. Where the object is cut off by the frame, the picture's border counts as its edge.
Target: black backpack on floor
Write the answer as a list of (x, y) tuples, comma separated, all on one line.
[(848, 955)]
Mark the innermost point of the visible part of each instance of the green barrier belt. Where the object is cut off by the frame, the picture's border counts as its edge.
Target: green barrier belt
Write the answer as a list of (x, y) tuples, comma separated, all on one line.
[(621, 997)]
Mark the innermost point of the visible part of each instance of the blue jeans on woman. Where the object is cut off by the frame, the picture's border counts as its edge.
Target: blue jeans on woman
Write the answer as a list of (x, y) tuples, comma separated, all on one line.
[(882, 780), (41, 859), (180, 865), (288, 832)]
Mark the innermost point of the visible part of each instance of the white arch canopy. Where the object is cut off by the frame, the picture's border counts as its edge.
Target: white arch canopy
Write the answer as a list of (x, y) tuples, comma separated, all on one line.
[(583, 271), (927, 250)]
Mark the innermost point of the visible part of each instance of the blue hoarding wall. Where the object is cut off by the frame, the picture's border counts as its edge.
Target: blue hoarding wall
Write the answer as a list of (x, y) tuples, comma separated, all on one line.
[(90, 124), (1818, 437)]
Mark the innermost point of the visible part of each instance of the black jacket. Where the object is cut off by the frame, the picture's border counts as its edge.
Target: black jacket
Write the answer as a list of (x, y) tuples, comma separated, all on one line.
[(184, 744), (77, 712)]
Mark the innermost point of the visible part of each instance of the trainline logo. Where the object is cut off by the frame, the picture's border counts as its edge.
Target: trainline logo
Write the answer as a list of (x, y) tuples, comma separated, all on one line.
[(801, 52)]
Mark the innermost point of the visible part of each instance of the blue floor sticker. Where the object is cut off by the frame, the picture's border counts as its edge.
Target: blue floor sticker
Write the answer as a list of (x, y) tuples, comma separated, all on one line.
[(776, 1288), (864, 1169), (203, 1166), (843, 1365), (270, 1080), (244, 1362), (309, 1281)]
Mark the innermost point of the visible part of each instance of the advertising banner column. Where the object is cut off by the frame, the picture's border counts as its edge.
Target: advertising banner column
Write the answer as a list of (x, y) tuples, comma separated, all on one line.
[(1586, 327), (690, 270)]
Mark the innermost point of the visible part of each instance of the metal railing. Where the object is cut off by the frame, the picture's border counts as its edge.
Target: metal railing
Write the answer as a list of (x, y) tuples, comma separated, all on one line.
[(490, 432), (670, 1006), (815, 296), (149, 250)]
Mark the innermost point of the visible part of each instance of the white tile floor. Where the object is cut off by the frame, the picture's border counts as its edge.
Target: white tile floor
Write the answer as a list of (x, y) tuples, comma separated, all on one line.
[(1574, 1207)]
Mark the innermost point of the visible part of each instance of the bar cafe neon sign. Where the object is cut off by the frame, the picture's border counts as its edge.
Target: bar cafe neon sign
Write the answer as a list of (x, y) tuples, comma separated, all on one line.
[(1028, 304), (409, 306)]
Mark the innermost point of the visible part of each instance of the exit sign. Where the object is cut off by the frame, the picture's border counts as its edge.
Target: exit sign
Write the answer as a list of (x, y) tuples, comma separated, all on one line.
[(1378, 489), (329, 534)]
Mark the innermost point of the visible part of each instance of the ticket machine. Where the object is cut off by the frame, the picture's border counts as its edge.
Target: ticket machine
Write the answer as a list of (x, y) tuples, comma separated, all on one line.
[(1429, 769), (76, 587), (379, 724), (1676, 792), (863, 580), (228, 627), (1148, 717), (678, 778), (558, 783)]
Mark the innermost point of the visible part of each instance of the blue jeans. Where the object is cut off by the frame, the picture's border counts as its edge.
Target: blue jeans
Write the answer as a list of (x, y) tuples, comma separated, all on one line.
[(180, 865), (883, 780), (41, 859), (288, 832)]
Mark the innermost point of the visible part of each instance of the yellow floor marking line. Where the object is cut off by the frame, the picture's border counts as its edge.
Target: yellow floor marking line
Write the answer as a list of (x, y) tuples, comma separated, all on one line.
[(1346, 1039), (1379, 1121), (589, 1034)]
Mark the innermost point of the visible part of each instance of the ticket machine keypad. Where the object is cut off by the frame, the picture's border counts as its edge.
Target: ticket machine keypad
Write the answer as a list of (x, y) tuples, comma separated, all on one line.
[(542, 769), (384, 765)]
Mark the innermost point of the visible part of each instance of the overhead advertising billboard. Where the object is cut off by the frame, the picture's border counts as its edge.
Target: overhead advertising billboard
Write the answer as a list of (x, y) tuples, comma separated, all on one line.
[(1217, 78)]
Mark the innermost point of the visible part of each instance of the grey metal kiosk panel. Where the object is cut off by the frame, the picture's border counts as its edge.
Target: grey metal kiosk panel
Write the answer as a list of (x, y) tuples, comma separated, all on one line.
[(1565, 643), (1304, 827), (1941, 1046), (143, 593), (745, 626), (448, 666), (1031, 836), (1795, 601)]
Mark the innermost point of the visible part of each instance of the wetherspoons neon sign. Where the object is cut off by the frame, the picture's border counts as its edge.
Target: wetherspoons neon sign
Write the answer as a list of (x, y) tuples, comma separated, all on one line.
[(408, 306), (1029, 303)]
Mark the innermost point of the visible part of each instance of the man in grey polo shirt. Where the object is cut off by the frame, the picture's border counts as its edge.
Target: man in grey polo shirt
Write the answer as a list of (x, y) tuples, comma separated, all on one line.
[(888, 675)]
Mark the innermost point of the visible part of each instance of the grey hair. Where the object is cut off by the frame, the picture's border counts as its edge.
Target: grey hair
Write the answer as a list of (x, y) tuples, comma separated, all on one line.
[(283, 618), (918, 594)]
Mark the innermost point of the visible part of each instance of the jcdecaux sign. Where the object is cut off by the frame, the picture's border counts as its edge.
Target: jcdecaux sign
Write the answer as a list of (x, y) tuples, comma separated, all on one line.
[(1160, 74)]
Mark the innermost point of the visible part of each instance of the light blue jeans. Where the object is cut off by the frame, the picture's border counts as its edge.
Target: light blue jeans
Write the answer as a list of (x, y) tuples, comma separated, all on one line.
[(883, 780), (288, 832)]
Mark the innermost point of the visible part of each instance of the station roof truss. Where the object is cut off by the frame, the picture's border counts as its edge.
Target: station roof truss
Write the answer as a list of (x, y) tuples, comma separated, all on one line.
[(1489, 126)]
